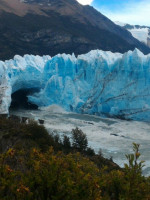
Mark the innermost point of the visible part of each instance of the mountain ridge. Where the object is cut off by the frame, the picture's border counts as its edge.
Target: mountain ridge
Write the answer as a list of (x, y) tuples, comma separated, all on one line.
[(59, 27)]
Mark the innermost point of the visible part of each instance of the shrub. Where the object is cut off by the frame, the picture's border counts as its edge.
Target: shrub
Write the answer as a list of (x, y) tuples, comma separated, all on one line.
[(79, 140), (49, 175)]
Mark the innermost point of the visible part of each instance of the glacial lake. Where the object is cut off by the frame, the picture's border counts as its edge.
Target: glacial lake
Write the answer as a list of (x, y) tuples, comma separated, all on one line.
[(113, 136)]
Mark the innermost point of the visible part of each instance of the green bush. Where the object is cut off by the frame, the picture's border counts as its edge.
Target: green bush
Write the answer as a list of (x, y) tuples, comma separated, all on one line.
[(79, 140)]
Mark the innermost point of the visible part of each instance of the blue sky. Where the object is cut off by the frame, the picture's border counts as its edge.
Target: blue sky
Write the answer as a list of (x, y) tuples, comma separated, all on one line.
[(128, 11)]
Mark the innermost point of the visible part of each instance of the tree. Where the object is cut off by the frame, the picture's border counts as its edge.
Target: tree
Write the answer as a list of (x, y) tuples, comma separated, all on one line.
[(79, 138), (135, 188), (66, 143)]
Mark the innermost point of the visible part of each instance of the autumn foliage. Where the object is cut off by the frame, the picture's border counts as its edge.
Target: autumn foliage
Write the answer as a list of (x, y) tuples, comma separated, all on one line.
[(42, 168)]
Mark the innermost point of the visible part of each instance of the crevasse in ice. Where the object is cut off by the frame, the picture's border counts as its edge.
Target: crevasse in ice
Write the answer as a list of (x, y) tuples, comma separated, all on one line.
[(98, 82)]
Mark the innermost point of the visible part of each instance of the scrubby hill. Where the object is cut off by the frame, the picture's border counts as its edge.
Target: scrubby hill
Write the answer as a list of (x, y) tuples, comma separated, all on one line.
[(36, 165)]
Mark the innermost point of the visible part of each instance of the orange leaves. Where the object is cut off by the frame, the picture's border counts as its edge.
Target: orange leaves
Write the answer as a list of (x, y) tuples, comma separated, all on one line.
[(23, 189), (138, 154), (8, 169), (35, 151), (11, 152)]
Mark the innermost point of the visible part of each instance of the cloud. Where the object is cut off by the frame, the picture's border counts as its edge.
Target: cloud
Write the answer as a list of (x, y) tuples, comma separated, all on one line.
[(85, 2), (132, 12)]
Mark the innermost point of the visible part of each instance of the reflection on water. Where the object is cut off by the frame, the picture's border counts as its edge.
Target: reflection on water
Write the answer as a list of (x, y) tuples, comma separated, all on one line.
[(113, 136)]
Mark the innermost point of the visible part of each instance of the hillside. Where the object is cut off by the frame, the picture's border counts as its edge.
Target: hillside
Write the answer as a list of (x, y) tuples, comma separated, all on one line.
[(60, 26), (36, 165)]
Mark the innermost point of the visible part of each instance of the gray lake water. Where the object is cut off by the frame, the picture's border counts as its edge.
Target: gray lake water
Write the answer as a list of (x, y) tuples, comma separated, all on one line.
[(113, 136)]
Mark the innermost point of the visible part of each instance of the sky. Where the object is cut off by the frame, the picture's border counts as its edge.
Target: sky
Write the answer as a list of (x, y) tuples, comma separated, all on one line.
[(136, 12)]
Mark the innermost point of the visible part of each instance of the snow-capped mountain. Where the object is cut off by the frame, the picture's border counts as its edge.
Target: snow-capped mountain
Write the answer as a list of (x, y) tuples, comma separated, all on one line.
[(42, 27), (142, 33), (95, 83)]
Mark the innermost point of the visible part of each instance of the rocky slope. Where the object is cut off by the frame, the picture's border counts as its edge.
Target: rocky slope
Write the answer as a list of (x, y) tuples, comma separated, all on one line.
[(58, 26)]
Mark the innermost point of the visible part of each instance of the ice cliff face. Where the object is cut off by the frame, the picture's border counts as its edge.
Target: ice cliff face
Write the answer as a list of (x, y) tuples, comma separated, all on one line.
[(95, 83)]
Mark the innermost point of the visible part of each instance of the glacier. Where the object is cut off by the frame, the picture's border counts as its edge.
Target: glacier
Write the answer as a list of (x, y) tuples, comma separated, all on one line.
[(99, 82)]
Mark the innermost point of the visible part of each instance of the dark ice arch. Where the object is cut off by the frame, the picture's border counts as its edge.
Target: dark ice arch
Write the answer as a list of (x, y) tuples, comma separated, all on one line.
[(19, 99)]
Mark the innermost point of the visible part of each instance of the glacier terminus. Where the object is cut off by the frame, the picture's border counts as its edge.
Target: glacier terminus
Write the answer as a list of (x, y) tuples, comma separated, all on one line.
[(99, 82)]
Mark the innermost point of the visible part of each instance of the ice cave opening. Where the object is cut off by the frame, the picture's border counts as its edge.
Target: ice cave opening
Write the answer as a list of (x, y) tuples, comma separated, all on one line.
[(19, 99)]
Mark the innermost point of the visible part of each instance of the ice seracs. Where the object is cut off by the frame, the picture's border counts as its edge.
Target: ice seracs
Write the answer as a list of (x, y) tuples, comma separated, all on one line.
[(98, 82)]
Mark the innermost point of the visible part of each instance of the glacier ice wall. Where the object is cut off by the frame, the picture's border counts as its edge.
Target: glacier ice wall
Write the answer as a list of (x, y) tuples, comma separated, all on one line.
[(95, 83)]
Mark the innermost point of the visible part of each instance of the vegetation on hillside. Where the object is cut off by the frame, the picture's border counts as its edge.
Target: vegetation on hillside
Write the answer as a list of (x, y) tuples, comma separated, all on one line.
[(35, 165)]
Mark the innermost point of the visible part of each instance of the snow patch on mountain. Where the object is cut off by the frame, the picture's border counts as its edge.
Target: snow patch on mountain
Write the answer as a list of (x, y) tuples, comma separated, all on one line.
[(142, 33), (120, 23)]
